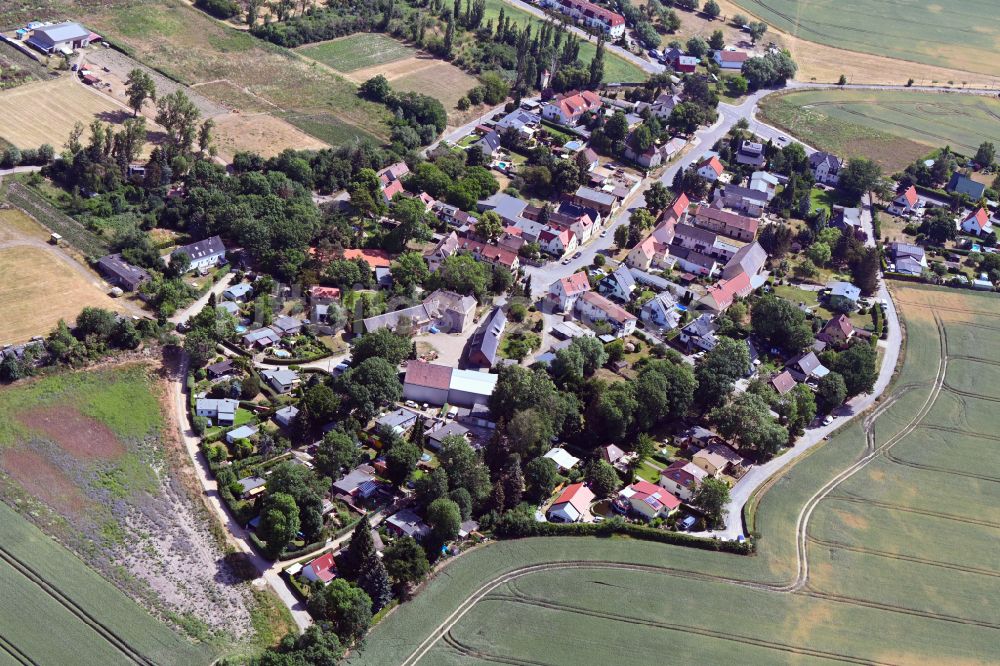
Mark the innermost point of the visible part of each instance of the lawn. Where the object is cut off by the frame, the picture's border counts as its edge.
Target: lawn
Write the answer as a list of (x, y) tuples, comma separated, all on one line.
[(357, 51), (946, 35), (886, 549), (892, 127), (88, 458), (811, 299)]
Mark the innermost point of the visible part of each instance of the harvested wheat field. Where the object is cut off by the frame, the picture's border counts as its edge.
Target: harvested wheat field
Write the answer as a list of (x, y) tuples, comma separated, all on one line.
[(261, 134), (39, 287), (38, 113)]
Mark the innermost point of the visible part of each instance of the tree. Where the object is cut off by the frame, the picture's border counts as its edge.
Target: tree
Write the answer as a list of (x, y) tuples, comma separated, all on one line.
[(616, 128), (406, 561), (318, 406), (860, 176), (370, 385), (820, 253), (747, 419), (865, 267), (465, 470), (409, 271), (857, 365), (463, 274), (335, 453), (842, 81), (432, 486), (444, 518), (374, 580), (711, 10), (139, 87), (770, 70), (11, 369), (489, 226), (375, 89), (717, 41), (602, 479), (318, 646), (938, 225), (986, 154), (757, 30), (279, 522), (830, 392), (400, 461), (345, 605), (697, 47), (780, 324), (540, 477), (178, 115), (657, 198), (713, 496), (383, 343), (597, 65), (621, 236), (665, 392), (723, 365), (737, 86)]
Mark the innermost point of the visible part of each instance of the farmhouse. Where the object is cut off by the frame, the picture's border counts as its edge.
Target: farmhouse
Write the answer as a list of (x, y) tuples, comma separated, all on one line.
[(573, 505), (221, 410), (682, 478), (323, 569), (977, 222), (61, 37), (203, 254), (121, 273), (649, 500), (591, 15), (825, 167), (731, 59), (569, 108), (594, 307)]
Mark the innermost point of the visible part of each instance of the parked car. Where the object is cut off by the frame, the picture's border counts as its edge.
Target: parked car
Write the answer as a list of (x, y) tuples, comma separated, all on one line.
[(578, 255), (828, 419), (687, 522)]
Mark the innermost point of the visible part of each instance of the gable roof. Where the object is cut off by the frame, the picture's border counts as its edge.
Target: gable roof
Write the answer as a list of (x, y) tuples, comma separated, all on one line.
[(819, 158), (683, 472), (731, 220), (577, 495), (323, 567), (783, 382), (486, 340), (62, 32), (748, 259), (979, 216), (115, 265), (724, 291), (431, 375), (731, 56), (840, 323), (612, 310), (714, 164), (965, 185), (203, 248), (909, 197), (574, 284), (677, 208), (374, 258)]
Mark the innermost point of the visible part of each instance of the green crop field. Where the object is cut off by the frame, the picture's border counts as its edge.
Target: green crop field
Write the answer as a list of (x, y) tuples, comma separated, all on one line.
[(892, 127), (358, 51), (906, 544), (954, 35)]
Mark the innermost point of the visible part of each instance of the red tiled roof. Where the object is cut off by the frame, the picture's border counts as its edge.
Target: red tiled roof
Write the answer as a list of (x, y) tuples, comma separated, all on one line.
[(392, 189), (910, 195), (676, 472), (431, 375), (677, 208), (733, 56), (644, 489), (374, 258), (577, 104), (980, 216), (713, 162), (576, 283), (747, 224), (324, 567), (324, 292), (614, 311), (576, 494), (783, 382), (724, 291)]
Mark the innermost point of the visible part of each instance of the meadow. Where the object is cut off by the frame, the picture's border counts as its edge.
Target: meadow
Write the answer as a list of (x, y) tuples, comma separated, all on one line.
[(907, 549), (954, 35), (357, 51), (87, 458), (892, 127)]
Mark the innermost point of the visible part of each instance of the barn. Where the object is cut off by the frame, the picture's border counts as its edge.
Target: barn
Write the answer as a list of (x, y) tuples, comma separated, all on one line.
[(61, 37)]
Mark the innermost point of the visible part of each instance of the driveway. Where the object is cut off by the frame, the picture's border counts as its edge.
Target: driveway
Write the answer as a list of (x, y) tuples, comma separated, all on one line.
[(196, 307)]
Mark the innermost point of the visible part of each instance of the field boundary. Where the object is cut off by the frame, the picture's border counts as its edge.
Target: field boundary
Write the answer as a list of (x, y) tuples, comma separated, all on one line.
[(52, 219)]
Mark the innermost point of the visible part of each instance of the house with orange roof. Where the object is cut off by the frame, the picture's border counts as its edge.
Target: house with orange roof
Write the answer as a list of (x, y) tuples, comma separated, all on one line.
[(677, 212), (564, 291), (567, 109), (977, 222), (323, 569), (557, 242), (572, 505), (905, 203), (711, 169), (649, 500), (374, 258), (720, 295), (783, 382)]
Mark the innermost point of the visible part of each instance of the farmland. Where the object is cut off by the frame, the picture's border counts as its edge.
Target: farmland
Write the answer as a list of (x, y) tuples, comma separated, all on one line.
[(358, 51), (892, 127), (904, 545), (87, 457), (942, 34)]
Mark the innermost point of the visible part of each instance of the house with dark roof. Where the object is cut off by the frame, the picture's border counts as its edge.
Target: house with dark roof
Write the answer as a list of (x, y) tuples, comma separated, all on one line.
[(489, 144), (739, 198), (965, 185), (436, 437), (700, 333), (751, 153), (661, 311), (484, 345), (120, 273), (682, 478), (749, 259), (220, 369), (728, 224), (807, 366), (618, 285), (837, 332), (909, 259), (825, 167), (407, 523), (603, 202), (203, 254)]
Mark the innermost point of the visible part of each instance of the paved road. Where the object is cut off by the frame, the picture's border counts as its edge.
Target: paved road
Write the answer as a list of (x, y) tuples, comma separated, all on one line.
[(196, 307)]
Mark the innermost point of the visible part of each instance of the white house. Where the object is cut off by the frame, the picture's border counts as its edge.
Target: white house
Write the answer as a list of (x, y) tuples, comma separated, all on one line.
[(765, 182), (573, 505), (682, 478), (825, 167), (565, 291), (661, 311), (977, 222), (282, 380), (619, 285), (562, 458), (568, 109), (220, 410), (594, 16), (203, 254), (905, 203), (649, 500), (323, 569), (557, 242), (594, 307), (711, 169), (730, 59)]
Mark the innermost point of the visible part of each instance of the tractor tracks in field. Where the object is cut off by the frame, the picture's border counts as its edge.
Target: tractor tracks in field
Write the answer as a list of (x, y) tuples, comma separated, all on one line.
[(74, 609), (15, 652), (904, 558)]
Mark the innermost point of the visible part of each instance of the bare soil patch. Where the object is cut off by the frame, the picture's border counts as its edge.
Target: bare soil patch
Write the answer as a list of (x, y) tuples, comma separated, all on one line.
[(852, 520), (261, 134), (75, 433), (44, 481)]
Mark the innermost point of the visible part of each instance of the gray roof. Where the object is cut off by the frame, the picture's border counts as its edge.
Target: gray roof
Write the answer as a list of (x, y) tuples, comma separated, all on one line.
[(748, 259), (489, 143), (259, 334), (845, 290), (115, 265), (698, 234), (504, 205), (400, 418), (486, 340), (251, 483), (745, 193), (846, 217), (450, 428), (286, 414), (808, 362), (417, 315), (229, 306), (283, 376), (965, 185), (693, 257), (649, 279), (285, 324), (204, 248), (909, 266), (409, 523), (820, 157), (624, 278), (63, 32), (589, 194), (220, 368), (701, 327), (518, 119), (906, 250), (238, 290), (350, 481)]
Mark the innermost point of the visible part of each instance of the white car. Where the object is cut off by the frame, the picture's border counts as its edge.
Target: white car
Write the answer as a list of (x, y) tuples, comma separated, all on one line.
[(828, 419), (604, 234)]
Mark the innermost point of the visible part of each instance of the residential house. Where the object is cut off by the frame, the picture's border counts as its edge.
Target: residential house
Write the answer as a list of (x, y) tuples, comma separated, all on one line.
[(572, 505), (407, 523), (220, 410), (507, 207), (558, 243), (436, 437), (611, 454), (323, 295), (744, 199), (700, 333), (121, 273), (730, 59), (664, 105), (711, 169), (243, 432), (765, 182), (489, 143), (285, 325), (230, 307), (661, 312), (484, 345), (825, 167), (676, 213), (221, 369), (807, 366), (751, 153), (398, 421), (593, 307), (521, 121), (977, 222), (837, 332), (591, 15), (720, 295), (749, 259), (562, 458), (649, 500), (603, 202), (647, 253), (286, 416), (589, 158), (60, 38), (204, 254), (391, 179), (682, 478), (359, 482), (728, 224), (965, 185), (567, 109), (282, 380), (716, 458), (321, 570), (905, 203), (453, 215), (909, 259), (685, 64), (843, 296), (565, 291), (448, 246), (692, 261), (252, 486), (650, 158), (618, 285), (783, 382), (451, 312), (848, 220), (241, 291)]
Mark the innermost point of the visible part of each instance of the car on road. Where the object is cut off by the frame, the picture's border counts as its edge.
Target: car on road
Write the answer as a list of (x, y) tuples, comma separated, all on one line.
[(604, 234), (578, 255), (411, 404), (565, 261), (828, 419)]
